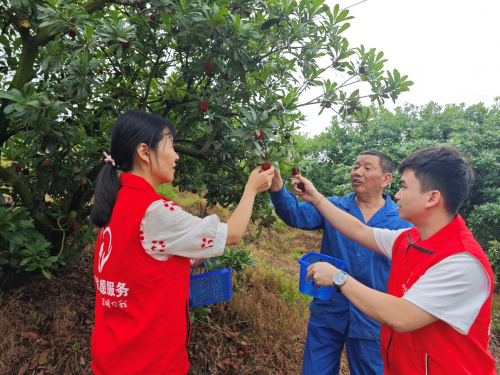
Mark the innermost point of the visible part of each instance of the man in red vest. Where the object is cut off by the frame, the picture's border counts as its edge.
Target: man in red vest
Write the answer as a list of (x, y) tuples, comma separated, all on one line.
[(436, 314)]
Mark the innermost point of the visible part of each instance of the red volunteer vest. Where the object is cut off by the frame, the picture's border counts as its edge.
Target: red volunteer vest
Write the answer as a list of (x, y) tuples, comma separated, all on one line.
[(436, 348), (142, 312)]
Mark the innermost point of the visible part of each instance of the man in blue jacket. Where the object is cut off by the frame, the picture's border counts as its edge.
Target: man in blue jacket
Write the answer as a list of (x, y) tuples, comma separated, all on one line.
[(337, 322)]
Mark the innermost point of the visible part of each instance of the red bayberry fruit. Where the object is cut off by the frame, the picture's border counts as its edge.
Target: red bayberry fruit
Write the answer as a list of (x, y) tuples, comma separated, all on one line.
[(61, 98), (126, 44), (301, 186), (232, 157), (26, 171), (275, 132), (485, 225), (69, 120), (18, 169), (203, 106), (72, 33), (74, 225), (362, 70), (194, 191), (47, 162), (235, 177), (260, 136), (295, 171), (266, 166), (328, 104), (225, 76), (264, 224), (287, 136), (152, 17), (75, 93), (351, 110), (242, 64), (55, 177), (64, 200), (246, 352), (81, 181), (208, 66)]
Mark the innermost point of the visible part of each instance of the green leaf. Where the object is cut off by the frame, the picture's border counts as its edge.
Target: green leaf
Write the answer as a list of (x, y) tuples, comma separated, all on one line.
[(269, 23), (89, 31), (251, 34)]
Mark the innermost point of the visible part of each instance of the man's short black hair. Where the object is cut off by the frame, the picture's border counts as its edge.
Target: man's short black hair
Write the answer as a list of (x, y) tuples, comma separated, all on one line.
[(385, 160), (441, 168)]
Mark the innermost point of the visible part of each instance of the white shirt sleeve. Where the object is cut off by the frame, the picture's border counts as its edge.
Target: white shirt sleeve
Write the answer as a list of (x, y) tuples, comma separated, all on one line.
[(167, 230), (385, 239), (453, 290)]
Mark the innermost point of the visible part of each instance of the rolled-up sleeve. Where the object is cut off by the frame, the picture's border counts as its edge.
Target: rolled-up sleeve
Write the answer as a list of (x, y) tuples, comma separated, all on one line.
[(167, 230)]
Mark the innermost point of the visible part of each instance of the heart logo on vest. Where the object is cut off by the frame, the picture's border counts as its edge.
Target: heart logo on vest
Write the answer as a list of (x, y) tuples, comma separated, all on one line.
[(104, 255)]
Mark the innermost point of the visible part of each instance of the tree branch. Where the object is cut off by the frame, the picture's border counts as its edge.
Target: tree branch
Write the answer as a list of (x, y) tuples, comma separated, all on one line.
[(22, 190)]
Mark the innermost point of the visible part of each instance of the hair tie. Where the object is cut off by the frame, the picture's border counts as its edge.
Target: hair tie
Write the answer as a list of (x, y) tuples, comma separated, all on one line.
[(109, 159)]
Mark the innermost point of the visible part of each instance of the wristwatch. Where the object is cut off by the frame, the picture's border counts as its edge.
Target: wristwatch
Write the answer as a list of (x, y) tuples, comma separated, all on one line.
[(339, 280)]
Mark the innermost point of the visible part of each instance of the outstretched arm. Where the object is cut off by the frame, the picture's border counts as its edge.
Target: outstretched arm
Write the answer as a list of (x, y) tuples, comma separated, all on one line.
[(295, 214), (258, 182), (397, 313), (343, 222)]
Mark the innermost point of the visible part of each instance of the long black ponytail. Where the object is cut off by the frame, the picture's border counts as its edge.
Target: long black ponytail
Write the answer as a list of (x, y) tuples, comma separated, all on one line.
[(130, 129)]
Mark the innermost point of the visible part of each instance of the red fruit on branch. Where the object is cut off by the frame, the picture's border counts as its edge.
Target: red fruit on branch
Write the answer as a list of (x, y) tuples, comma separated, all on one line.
[(287, 136), (81, 181), (266, 166), (248, 13), (351, 110), (485, 225), (152, 17), (64, 200), (26, 171), (328, 104), (18, 169), (194, 191), (203, 106), (362, 70), (74, 225), (126, 44), (69, 120), (295, 171), (301, 186), (264, 224), (47, 162), (242, 64), (260, 136), (225, 76), (208, 66), (72, 33), (55, 177), (235, 177)]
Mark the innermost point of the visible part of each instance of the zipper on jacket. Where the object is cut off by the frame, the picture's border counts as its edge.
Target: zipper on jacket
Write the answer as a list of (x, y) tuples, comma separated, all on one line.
[(387, 353), (188, 320), (426, 364)]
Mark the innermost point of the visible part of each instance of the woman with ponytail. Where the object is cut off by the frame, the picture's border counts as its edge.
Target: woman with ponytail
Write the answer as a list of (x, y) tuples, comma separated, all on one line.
[(143, 251)]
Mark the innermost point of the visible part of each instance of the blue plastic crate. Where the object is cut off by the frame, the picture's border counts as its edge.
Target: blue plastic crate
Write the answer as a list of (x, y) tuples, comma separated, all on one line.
[(316, 291), (210, 287)]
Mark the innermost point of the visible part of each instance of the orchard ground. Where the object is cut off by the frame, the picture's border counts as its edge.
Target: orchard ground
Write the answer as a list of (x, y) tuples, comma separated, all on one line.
[(45, 326)]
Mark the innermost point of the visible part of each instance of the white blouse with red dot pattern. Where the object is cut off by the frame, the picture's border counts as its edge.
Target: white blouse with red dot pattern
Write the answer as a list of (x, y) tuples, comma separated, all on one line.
[(167, 230)]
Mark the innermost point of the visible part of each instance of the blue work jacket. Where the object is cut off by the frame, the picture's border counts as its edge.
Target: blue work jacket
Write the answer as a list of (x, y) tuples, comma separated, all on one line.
[(366, 266)]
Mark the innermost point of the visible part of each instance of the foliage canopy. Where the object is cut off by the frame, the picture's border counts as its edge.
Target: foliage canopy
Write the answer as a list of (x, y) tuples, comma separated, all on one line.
[(221, 71)]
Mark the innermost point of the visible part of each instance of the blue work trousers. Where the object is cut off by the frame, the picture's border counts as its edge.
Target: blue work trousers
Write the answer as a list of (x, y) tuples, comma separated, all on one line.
[(324, 346)]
